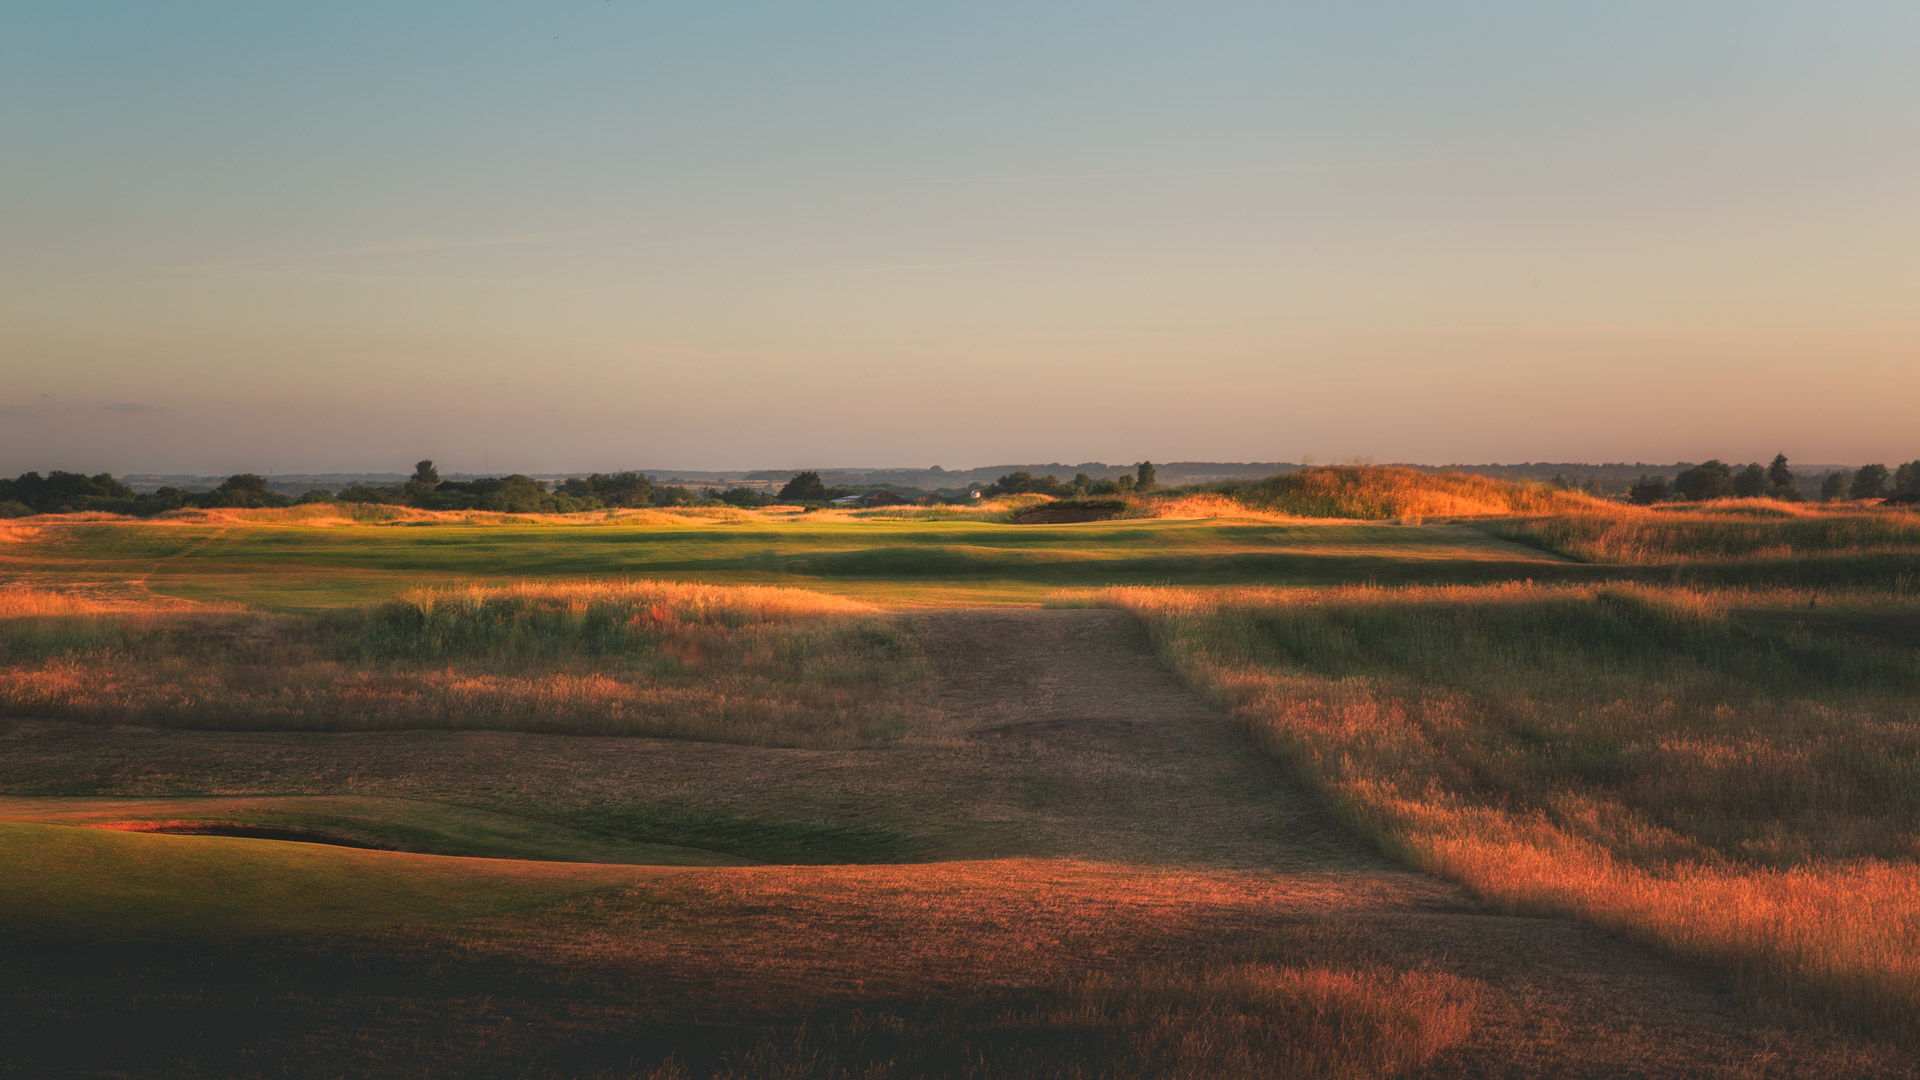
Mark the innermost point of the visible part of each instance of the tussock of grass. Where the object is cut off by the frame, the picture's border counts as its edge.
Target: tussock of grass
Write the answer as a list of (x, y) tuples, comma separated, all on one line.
[(1696, 769), (1377, 492), (740, 664)]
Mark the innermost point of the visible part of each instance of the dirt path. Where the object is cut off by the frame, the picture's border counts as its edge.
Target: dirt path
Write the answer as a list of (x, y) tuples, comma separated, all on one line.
[(1100, 753), (1145, 771)]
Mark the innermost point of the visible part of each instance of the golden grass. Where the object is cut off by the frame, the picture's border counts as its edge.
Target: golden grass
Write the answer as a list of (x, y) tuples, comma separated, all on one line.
[(1724, 531), (1739, 794), (27, 602), (735, 663), (1378, 492)]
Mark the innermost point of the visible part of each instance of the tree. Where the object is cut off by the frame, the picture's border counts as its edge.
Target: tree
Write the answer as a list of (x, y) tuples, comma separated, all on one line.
[(1022, 482), (516, 494), (1906, 479), (1081, 482), (1649, 490), (622, 489), (1711, 479), (1779, 475), (1751, 483), (245, 489), (1834, 486), (744, 497), (1870, 482), (425, 479), (1143, 478), (804, 487)]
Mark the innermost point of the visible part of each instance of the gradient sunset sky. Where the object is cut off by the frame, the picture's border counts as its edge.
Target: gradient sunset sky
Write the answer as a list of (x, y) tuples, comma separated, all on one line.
[(576, 235)]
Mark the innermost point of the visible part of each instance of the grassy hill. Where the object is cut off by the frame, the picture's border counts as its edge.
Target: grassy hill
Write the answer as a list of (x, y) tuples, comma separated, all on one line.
[(1376, 492)]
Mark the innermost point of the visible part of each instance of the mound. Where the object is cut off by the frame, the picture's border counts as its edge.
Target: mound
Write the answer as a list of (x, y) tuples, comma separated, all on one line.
[(1069, 513), (1375, 492)]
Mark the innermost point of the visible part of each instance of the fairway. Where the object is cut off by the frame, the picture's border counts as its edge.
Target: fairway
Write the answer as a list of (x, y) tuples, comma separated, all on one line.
[(304, 567)]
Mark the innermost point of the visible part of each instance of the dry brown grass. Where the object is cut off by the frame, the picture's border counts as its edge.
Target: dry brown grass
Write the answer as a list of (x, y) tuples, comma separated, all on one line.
[(1745, 794), (25, 602), (741, 663)]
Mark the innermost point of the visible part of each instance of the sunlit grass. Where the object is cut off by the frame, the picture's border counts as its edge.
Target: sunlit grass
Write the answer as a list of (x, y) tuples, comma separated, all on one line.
[(878, 559), (1719, 532), (729, 663), (1384, 491), (1696, 769)]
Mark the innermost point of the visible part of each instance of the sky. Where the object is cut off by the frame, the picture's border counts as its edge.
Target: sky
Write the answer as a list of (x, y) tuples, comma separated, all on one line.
[(592, 235)]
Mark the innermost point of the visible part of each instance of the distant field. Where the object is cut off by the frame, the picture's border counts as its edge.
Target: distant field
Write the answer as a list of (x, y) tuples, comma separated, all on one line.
[(296, 567)]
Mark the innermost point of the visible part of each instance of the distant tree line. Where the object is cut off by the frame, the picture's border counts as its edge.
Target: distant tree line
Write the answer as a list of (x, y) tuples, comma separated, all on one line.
[(1715, 479), (65, 492), (1023, 482)]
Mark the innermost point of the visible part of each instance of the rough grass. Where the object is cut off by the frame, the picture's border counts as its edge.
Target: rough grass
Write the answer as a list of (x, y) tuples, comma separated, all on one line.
[(1376, 492), (1717, 532), (1703, 771), (740, 664), (1741, 542)]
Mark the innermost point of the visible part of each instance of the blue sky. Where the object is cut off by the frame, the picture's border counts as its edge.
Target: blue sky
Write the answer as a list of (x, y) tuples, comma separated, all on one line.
[(609, 234)]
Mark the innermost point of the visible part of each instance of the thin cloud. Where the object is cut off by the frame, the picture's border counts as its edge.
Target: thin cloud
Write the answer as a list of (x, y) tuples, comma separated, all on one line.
[(131, 407)]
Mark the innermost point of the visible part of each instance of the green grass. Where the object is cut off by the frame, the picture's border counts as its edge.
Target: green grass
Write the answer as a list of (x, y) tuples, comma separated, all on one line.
[(419, 825), (280, 567), (94, 885)]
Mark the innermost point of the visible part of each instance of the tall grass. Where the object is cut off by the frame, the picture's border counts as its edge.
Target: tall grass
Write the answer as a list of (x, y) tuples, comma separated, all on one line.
[(1716, 533), (739, 664), (1381, 491), (1744, 542), (1686, 767)]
